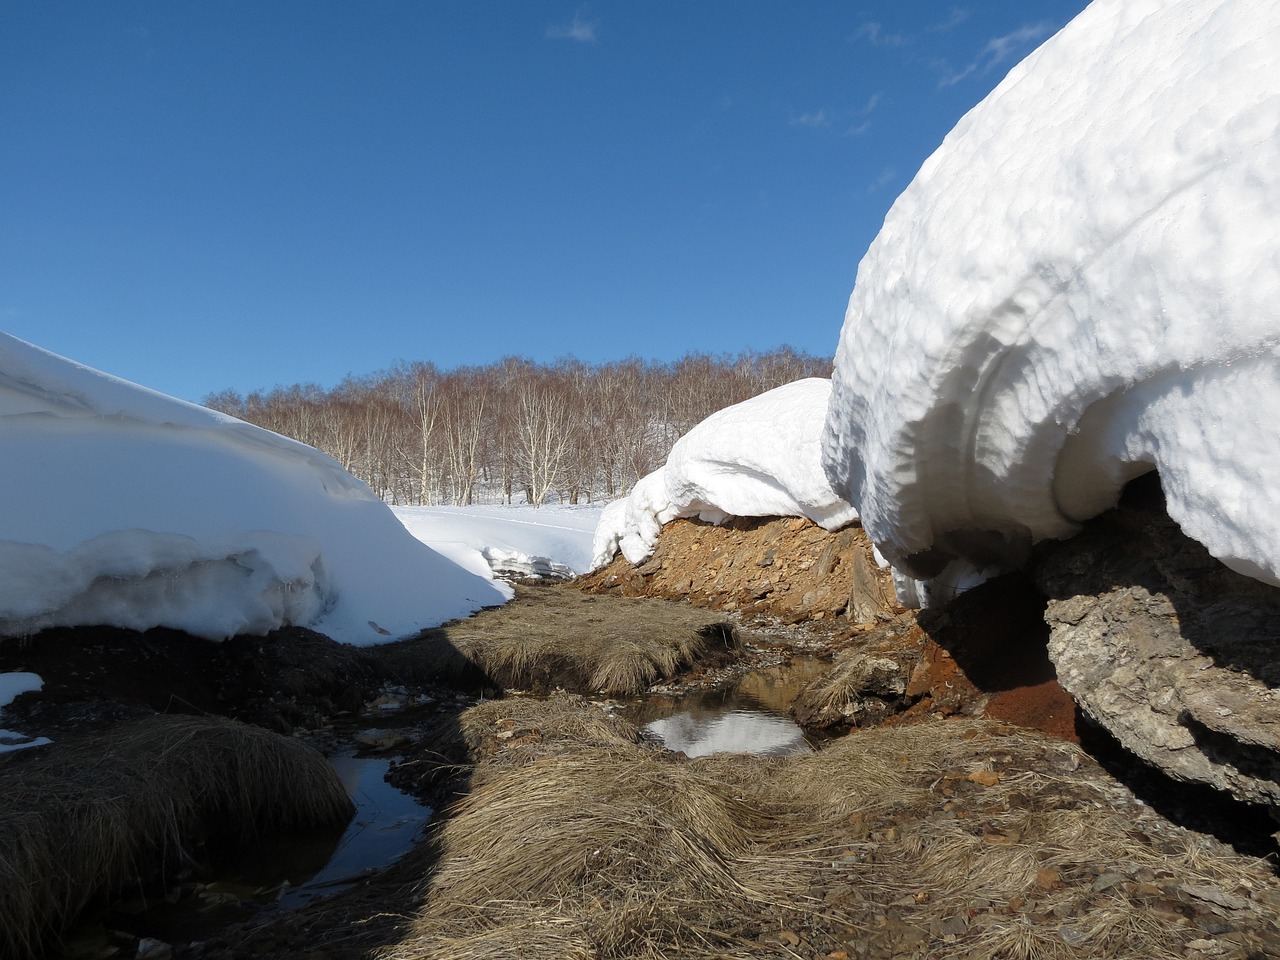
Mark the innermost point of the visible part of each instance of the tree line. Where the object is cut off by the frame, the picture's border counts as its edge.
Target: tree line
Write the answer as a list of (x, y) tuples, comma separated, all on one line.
[(514, 430)]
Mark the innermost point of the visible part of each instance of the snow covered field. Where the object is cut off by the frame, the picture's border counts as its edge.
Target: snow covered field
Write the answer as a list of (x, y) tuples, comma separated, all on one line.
[(127, 508), (511, 540), (1078, 286)]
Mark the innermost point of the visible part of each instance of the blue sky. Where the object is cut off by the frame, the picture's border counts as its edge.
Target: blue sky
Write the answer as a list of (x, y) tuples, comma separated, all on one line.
[(244, 193)]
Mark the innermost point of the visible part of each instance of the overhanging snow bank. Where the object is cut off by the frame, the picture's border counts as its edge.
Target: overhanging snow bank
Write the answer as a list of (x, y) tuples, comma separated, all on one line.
[(1079, 285), (758, 458), (128, 508)]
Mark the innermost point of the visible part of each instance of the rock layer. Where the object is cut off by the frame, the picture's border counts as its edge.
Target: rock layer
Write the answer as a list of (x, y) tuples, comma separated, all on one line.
[(1167, 648)]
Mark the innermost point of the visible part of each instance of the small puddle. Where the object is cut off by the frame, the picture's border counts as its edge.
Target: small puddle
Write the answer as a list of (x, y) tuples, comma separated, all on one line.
[(750, 717)]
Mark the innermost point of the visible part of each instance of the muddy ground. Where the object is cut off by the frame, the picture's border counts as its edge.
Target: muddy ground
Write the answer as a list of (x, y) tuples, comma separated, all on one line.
[(462, 709)]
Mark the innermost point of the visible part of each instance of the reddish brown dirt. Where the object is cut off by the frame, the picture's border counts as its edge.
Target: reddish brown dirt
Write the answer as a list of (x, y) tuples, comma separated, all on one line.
[(1044, 706)]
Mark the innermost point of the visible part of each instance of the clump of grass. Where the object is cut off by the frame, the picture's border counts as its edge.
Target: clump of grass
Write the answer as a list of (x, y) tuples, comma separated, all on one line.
[(594, 645), (94, 815), (860, 687), (602, 853), (536, 727), (599, 847)]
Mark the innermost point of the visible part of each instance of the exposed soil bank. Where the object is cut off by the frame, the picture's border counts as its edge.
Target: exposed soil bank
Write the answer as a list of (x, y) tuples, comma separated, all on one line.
[(985, 653)]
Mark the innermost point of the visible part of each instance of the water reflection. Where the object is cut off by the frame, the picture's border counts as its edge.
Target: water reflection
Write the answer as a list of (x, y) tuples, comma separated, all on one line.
[(749, 718), (384, 828), (698, 733), (289, 871)]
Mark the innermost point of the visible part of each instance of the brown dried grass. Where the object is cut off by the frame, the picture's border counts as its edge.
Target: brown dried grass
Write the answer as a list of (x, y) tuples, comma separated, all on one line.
[(89, 817), (540, 727), (600, 848), (603, 852), (586, 643), (1034, 808)]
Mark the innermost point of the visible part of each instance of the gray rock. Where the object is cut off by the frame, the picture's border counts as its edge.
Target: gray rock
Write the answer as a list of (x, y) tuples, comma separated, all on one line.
[(1176, 655), (871, 597)]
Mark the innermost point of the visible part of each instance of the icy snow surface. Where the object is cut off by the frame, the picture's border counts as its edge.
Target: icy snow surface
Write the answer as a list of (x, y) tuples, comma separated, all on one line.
[(12, 685), (550, 541), (758, 458), (1080, 284), (128, 508)]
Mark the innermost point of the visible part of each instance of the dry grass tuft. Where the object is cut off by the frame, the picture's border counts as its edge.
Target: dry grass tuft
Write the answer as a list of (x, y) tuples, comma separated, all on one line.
[(598, 663), (859, 689), (608, 853), (518, 730), (594, 647), (983, 840), (97, 814)]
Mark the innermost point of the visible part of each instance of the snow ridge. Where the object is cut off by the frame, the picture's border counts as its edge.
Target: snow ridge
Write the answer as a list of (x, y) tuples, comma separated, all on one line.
[(758, 458), (128, 508), (1079, 286)]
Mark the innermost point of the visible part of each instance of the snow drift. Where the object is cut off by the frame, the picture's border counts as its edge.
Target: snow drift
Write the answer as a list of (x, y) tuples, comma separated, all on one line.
[(758, 458), (127, 508), (548, 541), (1081, 284)]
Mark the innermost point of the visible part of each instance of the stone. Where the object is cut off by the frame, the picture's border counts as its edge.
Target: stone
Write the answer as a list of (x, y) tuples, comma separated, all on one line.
[(1169, 650), (152, 949), (871, 596), (1215, 895)]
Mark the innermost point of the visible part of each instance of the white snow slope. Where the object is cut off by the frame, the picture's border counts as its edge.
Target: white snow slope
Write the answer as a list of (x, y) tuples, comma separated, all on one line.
[(124, 507), (758, 458), (1083, 282), (517, 540)]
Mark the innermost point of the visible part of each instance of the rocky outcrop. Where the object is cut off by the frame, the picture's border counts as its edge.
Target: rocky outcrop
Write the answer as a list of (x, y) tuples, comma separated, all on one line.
[(1167, 648)]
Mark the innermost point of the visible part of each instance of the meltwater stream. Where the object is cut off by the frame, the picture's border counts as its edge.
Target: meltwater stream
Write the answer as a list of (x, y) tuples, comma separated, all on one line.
[(385, 826), (287, 872)]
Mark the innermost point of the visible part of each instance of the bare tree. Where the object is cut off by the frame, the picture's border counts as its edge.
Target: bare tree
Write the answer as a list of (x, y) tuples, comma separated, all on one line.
[(545, 426), (416, 434)]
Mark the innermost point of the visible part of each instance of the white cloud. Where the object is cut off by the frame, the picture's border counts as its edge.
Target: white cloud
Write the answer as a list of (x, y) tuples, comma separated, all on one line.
[(868, 108), (999, 50), (579, 29), (1003, 48), (816, 119), (873, 33), (887, 176), (957, 16)]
